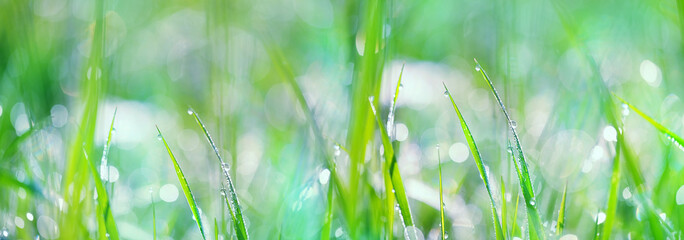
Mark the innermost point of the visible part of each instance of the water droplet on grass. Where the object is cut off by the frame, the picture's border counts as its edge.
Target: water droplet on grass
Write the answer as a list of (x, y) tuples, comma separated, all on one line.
[(339, 232), (336, 150), (532, 203), (679, 198), (29, 216), (600, 218), (401, 86), (626, 194), (625, 110), (446, 94), (159, 137), (413, 233), (514, 124), (190, 111), (324, 176), (478, 68)]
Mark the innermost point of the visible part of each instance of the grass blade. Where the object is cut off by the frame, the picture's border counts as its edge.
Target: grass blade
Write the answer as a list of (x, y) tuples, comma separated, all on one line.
[(106, 223), (234, 205), (536, 229), (504, 227), (327, 226), (186, 187), (393, 168), (677, 140), (154, 217), (441, 194), (612, 198), (561, 212), (484, 174)]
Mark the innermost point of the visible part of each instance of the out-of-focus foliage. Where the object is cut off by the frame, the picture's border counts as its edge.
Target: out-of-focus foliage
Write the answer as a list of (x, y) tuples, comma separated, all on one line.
[(283, 88)]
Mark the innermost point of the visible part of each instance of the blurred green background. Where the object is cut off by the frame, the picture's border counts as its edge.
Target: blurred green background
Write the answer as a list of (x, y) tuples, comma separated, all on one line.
[(66, 65)]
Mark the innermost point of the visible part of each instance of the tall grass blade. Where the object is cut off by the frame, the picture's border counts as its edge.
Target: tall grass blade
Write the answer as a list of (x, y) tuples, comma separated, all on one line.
[(612, 198), (234, 205), (441, 195), (676, 140), (106, 223), (186, 187), (327, 226), (504, 226), (393, 168), (484, 174), (536, 229), (561, 212), (154, 217)]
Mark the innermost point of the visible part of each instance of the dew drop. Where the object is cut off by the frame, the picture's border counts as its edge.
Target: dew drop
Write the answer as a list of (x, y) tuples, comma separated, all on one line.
[(339, 232), (29, 216), (679, 198), (663, 216), (401, 86), (514, 124), (478, 68), (371, 98), (159, 137), (324, 176), (337, 150), (446, 94), (600, 218), (625, 110), (532, 203), (626, 194), (225, 166), (190, 111)]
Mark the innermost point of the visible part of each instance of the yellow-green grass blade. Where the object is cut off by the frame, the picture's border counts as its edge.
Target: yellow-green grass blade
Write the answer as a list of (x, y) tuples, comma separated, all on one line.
[(480, 165), (504, 226), (234, 205), (105, 221), (441, 195), (535, 226), (186, 187), (514, 228), (327, 226), (677, 140), (612, 197), (391, 161), (216, 230), (561, 212)]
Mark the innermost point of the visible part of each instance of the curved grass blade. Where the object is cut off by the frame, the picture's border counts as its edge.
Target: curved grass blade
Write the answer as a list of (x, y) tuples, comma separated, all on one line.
[(536, 229), (393, 168), (186, 187), (677, 140), (234, 206), (612, 197), (441, 194), (561, 213), (480, 165)]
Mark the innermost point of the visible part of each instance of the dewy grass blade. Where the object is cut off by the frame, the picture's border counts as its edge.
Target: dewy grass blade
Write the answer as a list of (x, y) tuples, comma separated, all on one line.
[(441, 195), (105, 219), (561, 212), (484, 174), (676, 140), (504, 226), (234, 205), (391, 162), (186, 187), (535, 226), (612, 197)]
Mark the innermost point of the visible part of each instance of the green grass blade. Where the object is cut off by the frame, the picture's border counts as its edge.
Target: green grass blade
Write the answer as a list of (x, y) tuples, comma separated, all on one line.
[(504, 226), (186, 187), (441, 194), (106, 223), (391, 162), (561, 212), (514, 228), (480, 165), (612, 197), (154, 217), (216, 230), (234, 205), (327, 226), (536, 229), (677, 140)]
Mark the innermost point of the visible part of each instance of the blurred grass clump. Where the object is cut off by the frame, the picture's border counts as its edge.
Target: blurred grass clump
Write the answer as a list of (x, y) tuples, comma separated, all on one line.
[(332, 119)]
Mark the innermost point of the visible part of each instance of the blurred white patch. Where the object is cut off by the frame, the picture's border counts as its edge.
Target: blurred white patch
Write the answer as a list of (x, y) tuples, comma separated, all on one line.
[(0, 110), (47, 228), (600, 218), (402, 132), (19, 222), (59, 114), (168, 193), (556, 168), (458, 152), (679, 198), (109, 173), (413, 233), (650, 72), (626, 194), (568, 237), (19, 118), (324, 176), (317, 13), (48, 8), (610, 134)]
